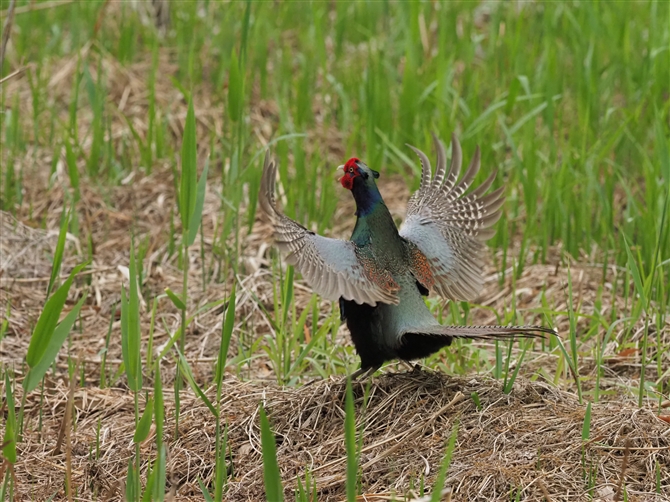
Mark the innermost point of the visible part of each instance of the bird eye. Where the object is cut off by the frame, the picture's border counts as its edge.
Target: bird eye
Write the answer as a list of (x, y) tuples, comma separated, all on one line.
[(351, 169)]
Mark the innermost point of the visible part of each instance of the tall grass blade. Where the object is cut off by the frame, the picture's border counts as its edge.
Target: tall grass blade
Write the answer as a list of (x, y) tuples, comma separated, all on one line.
[(509, 383), (574, 361), (271, 474), (221, 442), (9, 439), (55, 342), (635, 272), (194, 224), (131, 483), (221, 475), (573, 369), (350, 443), (176, 301), (144, 425), (148, 494), (159, 410), (226, 335), (586, 428), (159, 420), (46, 324), (235, 88), (60, 249), (186, 372), (73, 172), (245, 32), (436, 495), (4, 325), (203, 489), (189, 173), (130, 328)]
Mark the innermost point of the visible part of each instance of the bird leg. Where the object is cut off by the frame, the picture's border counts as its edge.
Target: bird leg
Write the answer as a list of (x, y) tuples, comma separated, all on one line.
[(364, 373), (358, 373)]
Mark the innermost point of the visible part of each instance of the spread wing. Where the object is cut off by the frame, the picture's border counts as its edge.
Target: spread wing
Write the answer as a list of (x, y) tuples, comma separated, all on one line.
[(332, 267), (449, 227)]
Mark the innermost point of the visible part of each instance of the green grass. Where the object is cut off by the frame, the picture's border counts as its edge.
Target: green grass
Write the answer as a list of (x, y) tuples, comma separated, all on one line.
[(568, 101)]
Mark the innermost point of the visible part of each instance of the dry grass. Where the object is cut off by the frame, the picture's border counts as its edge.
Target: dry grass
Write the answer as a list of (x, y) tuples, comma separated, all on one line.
[(529, 440)]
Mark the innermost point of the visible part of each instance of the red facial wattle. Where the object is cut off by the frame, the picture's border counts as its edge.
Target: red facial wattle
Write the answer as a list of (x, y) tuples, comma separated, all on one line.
[(347, 181), (350, 172)]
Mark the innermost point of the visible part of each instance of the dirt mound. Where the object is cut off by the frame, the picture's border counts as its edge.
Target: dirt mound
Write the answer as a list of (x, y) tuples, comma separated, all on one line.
[(528, 442)]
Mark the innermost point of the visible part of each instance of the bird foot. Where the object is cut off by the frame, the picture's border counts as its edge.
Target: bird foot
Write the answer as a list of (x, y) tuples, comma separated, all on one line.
[(364, 373)]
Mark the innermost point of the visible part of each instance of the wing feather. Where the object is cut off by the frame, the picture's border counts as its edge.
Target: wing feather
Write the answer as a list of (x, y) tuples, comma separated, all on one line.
[(449, 226), (331, 267)]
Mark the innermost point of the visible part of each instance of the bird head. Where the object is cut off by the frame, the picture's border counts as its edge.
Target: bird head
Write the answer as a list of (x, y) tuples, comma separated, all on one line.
[(356, 169)]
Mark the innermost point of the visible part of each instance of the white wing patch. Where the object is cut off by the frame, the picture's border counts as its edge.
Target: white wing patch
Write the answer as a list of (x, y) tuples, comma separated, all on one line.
[(449, 227)]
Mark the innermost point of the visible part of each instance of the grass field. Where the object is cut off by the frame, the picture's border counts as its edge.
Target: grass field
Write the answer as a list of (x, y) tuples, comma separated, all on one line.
[(153, 344)]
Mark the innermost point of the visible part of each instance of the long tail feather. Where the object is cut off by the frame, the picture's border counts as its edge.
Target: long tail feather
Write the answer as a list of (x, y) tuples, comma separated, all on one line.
[(485, 332)]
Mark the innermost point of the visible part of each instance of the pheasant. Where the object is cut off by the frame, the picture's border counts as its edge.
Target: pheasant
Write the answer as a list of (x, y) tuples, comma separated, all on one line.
[(382, 273)]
